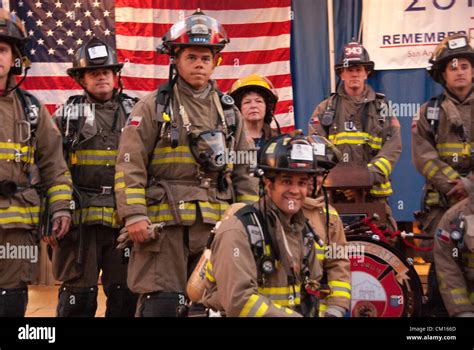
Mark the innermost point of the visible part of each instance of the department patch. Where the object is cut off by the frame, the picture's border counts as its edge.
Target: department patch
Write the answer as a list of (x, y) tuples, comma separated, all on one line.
[(443, 235), (134, 121)]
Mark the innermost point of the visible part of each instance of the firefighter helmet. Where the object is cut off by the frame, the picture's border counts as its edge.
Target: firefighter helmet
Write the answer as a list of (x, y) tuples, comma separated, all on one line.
[(354, 54), (13, 32), (284, 153), (94, 54), (195, 30), (327, 155), (260, 85), (454, 46)]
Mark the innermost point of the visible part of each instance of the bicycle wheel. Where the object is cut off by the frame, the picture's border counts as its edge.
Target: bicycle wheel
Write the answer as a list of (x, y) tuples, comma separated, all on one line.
[(384, 283)]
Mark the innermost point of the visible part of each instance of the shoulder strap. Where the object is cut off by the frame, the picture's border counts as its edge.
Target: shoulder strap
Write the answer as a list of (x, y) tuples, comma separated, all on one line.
[(258, 237), (31, 107), (433, 112), (127, 103), (162, 101), (326, 119), (227, 103)]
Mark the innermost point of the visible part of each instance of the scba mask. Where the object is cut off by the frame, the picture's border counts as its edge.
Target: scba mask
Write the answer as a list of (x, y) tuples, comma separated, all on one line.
[(209, 149)]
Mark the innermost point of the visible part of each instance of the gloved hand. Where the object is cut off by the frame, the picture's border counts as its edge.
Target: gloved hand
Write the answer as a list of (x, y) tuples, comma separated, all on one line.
[(154, 231), (334, 311), (465, 314)]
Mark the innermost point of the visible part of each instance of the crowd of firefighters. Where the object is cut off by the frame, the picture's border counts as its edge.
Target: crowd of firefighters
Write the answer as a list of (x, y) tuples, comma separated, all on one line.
[(136, 190)]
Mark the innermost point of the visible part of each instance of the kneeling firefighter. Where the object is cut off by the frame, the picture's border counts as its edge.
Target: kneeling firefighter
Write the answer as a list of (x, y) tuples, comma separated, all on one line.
[(263, 256)]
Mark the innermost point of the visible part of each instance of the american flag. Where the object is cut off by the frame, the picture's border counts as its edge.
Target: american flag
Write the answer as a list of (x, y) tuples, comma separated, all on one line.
[(259, 30)]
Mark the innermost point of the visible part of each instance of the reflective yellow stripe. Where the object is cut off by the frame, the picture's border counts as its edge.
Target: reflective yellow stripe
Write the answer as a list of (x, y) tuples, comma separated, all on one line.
[(279, 307), (59, 192), (320, 251), (96, 215), (453, 149), (450, 173), (261, 310), (284, 296), (356, 138), (17, 153), (169, 155), (384, 189), (430, 169), (213, 211), (162, 212), (384, 165), (135, 196), (209, 275), (119, 180), (339, 289), (96, 157), (331, 212), (247, 198), (21, 215), (339, 284), (339, 293), (460, 296), (255, 306)]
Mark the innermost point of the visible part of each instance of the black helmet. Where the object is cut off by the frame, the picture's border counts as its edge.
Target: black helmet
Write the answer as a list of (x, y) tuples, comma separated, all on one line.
[(259, 84), (13, 32), (354, 54), (93, 55), (284, 153), (327, 155), (195, 30), (454, 46)]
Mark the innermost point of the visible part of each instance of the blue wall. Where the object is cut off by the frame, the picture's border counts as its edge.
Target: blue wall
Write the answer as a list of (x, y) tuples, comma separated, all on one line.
[(311, 82)]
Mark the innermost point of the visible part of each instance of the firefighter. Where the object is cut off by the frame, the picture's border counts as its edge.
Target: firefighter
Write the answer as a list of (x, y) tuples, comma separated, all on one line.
[(172, 170), (32, 165), (360, 123), (256, 98), (263, 256), (91, 126), (441, 141), (454, 255), (325, 221)]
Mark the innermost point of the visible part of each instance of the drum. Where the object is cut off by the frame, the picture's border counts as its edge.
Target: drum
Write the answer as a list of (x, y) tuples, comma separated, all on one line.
[(384, 283)]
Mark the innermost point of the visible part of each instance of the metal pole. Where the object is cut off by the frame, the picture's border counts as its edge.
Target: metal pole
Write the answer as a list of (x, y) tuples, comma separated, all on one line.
[(332, 73)]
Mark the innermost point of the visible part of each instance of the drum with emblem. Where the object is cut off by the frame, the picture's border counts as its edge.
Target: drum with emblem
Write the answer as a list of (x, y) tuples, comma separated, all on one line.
[(384, 282)]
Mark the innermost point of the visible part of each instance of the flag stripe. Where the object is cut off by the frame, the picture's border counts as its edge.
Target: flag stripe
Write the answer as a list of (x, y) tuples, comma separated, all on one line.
[(233, 30), (192, 5), (258, 14), (259, 32), (228, 58)]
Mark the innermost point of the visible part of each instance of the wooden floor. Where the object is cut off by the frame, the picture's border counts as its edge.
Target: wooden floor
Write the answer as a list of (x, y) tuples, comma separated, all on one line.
[(43, 299)]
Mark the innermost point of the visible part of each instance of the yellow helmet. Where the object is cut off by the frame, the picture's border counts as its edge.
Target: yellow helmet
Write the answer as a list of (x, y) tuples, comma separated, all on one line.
[(259, 84)]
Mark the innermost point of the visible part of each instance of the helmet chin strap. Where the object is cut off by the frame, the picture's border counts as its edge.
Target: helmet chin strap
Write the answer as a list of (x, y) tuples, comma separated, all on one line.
[(25, 73)]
